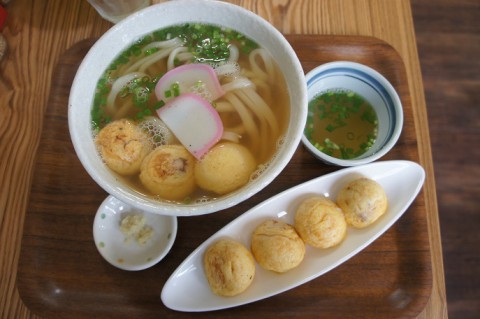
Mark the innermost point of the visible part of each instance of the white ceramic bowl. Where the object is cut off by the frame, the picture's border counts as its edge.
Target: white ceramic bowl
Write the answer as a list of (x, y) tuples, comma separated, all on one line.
[(156, 17), (373, 87), (124, 252)]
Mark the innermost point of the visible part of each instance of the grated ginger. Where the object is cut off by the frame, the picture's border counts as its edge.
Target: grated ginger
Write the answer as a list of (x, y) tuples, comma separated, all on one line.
[(133, 226)]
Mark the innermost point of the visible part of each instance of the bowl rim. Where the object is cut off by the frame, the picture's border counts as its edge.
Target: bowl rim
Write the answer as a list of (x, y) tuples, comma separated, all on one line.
[(392, 93), (223, 202)]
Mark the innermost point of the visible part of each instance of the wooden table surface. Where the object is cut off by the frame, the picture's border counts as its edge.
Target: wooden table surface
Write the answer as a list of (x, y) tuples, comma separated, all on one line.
[(38, 32)]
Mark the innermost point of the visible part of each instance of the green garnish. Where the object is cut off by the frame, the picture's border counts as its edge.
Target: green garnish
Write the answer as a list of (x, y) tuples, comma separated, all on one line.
[(175, 88), (159, 104), (141, 95), (341, 124), (151, 51), (208, 43)]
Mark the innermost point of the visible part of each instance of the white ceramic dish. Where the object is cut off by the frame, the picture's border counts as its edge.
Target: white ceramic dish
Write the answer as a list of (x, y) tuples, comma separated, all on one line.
[(187, 288), (157, 17), (373, 87), (124, 253)]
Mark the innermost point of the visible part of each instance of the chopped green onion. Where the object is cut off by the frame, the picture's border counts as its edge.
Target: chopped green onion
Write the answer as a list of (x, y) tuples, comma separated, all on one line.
[(330, 128), (151, 51), (175, 88), (145, 40), (159, 104), (136, 50), (141, 95)]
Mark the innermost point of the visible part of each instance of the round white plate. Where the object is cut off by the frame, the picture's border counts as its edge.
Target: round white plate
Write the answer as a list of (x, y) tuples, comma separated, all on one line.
[(187, 288), (125, 253)]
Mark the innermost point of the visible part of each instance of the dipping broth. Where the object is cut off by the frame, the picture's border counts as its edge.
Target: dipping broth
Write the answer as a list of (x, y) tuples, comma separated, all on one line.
[(341, 124), (254, 106)]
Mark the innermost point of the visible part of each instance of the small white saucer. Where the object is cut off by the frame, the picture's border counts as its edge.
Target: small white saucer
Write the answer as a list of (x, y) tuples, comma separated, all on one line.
[(126, 253)]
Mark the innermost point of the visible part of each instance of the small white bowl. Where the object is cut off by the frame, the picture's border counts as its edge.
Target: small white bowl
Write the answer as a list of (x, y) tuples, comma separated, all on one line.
[(374, 88), (123, 252)]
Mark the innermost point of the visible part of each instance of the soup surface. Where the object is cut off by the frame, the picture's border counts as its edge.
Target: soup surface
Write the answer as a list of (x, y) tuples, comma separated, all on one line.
[(249, 96), (341, 124)]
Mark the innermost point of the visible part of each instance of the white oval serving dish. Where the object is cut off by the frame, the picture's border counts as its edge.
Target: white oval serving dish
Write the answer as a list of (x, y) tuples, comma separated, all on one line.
[(187, 289)]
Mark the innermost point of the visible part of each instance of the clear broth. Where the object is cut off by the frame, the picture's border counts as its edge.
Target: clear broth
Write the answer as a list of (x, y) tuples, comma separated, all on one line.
[(341, 124)]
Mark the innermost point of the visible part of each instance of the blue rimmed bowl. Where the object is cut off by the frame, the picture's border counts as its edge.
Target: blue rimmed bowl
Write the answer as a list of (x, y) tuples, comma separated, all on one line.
[(374, 88)]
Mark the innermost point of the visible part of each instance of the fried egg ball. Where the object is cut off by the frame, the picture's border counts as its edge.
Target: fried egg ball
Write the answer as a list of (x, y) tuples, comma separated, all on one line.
[(229, 267), (168, 172), (320, 222), (276, 246), (363, 201), (225, 168), (123, 146)]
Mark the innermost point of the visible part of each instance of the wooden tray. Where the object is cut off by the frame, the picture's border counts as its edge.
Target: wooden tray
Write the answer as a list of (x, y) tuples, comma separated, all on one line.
[(62, 275)]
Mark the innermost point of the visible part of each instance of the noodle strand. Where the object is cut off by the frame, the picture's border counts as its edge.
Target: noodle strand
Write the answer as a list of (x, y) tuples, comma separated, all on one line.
[(153, 57), (240, 83), (246, 117), (173, 55), (163, 44)]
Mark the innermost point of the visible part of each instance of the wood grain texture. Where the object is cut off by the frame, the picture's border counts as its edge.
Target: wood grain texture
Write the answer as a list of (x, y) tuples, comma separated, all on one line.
[(396, 269), (448, 37), (38, 32)]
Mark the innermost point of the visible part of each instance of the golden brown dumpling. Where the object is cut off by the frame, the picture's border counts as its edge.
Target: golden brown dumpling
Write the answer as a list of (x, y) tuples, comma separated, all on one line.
[(123, 146), (276, 246), (168, 172), (229, 267), (320, 222), (363, 201), (225, 168)]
